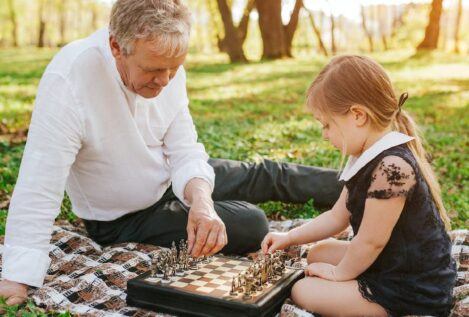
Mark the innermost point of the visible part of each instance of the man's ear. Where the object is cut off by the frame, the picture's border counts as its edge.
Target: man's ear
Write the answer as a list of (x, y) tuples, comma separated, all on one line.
[(360, 115), (115, 48)]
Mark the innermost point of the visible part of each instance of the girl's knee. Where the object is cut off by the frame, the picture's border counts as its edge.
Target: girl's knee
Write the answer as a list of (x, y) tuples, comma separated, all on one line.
[(301, 293), (316, 251)]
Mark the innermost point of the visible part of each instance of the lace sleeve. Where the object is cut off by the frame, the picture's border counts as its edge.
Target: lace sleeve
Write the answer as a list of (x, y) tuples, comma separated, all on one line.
[(393, 177)]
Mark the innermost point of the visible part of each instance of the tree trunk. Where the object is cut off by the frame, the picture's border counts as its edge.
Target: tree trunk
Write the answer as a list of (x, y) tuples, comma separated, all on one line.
[(317, 32), (271, 27), (14, 24), (62, 21), (241, 30), (276, 38), (457, 26), (290, 28), (432, 31), (366, 30), (233, 44), (41, 24), (333, 46), (244, 23)]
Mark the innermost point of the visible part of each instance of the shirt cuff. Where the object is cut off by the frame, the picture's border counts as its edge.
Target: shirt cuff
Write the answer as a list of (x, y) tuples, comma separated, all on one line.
[(194, 169), (24, 265)]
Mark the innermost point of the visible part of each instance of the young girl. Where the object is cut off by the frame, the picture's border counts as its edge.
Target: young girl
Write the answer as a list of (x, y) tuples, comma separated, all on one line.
[(399, 261)]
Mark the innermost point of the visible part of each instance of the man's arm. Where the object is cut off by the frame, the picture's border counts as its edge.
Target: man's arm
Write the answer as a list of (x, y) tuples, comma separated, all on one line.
[(192, 177), (206, 231), (54, 139)]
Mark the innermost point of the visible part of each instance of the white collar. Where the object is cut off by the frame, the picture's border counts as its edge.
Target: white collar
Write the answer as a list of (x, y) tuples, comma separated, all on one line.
[(355, 164)]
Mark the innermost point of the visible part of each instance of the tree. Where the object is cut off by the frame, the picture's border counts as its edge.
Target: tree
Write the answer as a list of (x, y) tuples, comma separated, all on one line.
[(277, 38), (432, 31), (241, 29), (14, 24), (41, 24), (382, 15), (317, 31), (457, 26), (367, 31), (232, 41)]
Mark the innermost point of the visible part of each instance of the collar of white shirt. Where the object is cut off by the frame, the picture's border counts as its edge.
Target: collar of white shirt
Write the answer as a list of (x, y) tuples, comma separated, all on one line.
[(355, 164)]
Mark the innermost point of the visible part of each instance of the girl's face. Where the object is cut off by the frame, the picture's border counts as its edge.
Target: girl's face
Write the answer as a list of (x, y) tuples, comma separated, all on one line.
[(348, 132)]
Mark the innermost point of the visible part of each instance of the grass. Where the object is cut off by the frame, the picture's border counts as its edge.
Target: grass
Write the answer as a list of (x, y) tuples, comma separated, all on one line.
[(255, 111)]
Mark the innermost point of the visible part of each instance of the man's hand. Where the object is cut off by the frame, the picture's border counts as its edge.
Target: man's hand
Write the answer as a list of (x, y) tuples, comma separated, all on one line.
[(206, 232), (13, 292)]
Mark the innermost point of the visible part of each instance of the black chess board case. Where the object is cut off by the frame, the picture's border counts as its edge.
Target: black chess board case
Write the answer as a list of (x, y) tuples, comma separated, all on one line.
[(177, 299)]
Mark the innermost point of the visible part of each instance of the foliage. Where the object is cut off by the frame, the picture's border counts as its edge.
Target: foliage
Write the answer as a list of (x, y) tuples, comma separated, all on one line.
[(27, 310)]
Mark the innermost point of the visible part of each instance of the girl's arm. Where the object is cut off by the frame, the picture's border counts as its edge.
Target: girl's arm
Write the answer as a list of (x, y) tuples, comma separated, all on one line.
[(325, 225), (392, 181)]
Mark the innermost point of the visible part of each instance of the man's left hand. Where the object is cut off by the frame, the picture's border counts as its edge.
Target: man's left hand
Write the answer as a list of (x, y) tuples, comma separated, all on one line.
[(205, 230)]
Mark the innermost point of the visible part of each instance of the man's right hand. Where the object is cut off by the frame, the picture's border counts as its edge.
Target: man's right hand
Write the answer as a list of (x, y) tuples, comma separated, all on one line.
[(13, 292)]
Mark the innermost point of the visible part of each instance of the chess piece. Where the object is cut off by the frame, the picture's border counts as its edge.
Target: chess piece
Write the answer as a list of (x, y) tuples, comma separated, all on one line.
[(233, 291), (166, 279), (248, 289)]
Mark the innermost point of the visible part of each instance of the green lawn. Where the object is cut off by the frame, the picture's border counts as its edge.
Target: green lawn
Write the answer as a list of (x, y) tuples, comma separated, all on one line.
[(255, 111)]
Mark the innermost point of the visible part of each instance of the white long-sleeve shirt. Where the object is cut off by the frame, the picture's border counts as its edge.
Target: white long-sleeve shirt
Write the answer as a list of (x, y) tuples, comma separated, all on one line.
[(113, 151)]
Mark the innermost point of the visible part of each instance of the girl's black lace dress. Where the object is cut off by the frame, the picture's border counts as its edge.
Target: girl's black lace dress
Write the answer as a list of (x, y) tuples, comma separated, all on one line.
[(414, 274)]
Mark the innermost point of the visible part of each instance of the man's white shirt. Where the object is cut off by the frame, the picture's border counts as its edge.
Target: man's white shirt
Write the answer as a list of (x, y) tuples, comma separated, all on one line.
[(113, 151)]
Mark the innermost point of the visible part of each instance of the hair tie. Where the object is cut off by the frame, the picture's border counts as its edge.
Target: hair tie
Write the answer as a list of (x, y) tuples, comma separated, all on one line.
[(402, 100)]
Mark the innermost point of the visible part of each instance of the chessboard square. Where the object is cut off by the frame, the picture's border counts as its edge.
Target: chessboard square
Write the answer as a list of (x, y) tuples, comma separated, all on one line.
[(198, 283), (237, 262), (205, 270), (178, 284), (192, 276), (228, 274), (224, 287), (211, 285), (224, 268), (219, 282), (217, 272), (210, 266), (210, 275), (215, 264), (199, 273), (219, 293), (205, 289), (186, 280)]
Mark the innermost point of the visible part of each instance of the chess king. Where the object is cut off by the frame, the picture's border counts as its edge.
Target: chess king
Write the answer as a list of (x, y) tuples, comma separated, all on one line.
[(111, 126)]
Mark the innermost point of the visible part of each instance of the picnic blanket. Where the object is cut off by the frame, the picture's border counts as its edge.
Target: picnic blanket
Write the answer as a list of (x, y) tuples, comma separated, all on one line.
[(89, 280)]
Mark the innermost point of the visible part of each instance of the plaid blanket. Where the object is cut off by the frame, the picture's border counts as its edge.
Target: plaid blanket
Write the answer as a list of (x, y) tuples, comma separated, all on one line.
[(89, 280)]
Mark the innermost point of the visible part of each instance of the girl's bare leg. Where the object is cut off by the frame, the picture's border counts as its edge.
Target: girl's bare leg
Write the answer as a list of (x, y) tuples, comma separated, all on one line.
[(328, 251), (333, 298)]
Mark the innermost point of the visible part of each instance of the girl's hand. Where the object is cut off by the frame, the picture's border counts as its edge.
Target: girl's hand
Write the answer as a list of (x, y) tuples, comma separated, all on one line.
[(322, 270), (275, 241)]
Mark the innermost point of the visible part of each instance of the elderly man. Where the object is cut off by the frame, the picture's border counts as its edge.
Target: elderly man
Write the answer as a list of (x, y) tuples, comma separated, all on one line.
[(111, 126)]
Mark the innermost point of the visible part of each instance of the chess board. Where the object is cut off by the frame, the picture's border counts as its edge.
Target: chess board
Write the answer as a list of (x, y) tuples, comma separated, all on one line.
[(206, 291)]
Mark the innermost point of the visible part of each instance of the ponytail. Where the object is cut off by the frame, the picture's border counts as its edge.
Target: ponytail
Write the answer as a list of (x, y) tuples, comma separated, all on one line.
[(405, 124)]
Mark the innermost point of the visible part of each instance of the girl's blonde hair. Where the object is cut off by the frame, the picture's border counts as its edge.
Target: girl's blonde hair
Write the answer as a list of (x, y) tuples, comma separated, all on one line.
[(350, 79)]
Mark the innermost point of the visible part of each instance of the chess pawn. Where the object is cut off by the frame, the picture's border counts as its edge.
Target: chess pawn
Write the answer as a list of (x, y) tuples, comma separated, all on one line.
[(240, 284), (233, 291)]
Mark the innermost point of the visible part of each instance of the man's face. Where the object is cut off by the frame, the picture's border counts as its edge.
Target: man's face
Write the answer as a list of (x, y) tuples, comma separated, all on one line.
[(145, 72)]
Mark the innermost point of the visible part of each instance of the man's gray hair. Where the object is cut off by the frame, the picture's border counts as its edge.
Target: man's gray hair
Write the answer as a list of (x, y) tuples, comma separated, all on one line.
[(167, 22)]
